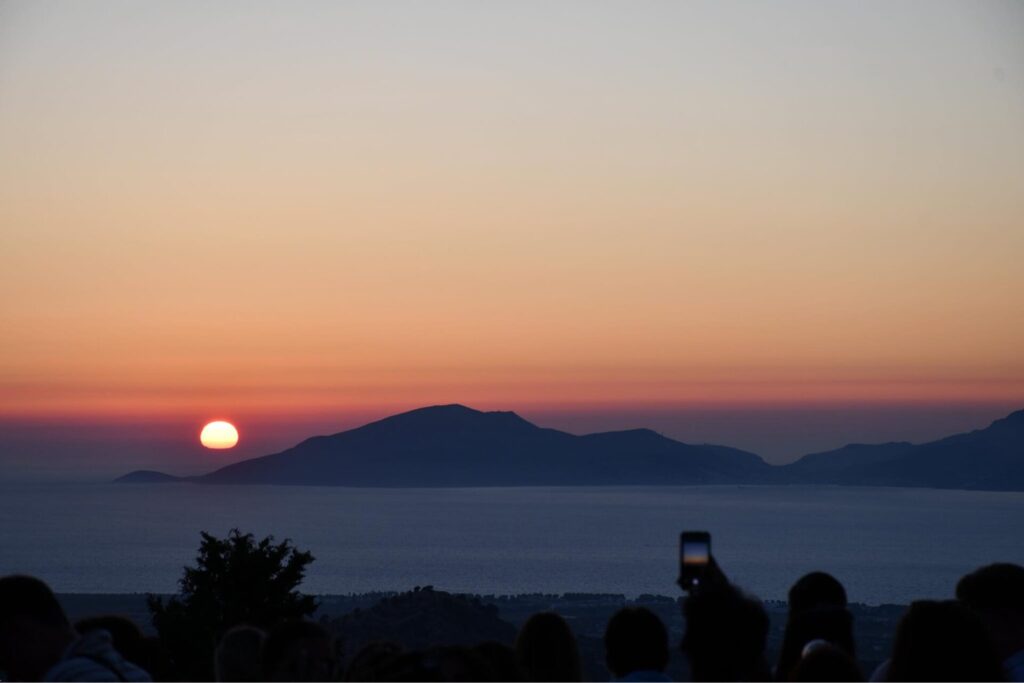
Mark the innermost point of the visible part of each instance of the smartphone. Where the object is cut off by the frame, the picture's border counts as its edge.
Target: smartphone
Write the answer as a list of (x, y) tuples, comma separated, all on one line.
[(694, 557)]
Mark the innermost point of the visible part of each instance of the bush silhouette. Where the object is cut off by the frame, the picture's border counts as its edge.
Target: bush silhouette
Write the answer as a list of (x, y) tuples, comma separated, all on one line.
[(236, 580)]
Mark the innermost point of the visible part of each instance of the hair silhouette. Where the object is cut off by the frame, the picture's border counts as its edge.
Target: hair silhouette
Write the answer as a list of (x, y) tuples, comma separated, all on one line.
[(817, 611), (725, 635), (942, 641), (28, 598), (635, 640), (996, 594), (999, 585), (547, 649), (34, 630), (239, 654), (816, 589), (37, 640)]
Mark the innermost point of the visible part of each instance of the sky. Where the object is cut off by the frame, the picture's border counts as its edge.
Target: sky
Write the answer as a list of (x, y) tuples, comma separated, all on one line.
[(780, 226)]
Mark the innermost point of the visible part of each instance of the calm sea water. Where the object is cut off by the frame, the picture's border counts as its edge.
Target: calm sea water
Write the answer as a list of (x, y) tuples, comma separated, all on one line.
[(886, 545)]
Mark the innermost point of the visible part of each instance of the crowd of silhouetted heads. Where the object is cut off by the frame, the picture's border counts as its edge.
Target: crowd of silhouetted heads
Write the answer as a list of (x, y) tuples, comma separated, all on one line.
[(979, 636)]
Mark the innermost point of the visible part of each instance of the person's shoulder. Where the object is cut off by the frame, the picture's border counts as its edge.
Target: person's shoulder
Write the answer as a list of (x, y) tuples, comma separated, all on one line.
[(1013, 667), (134, 674), (881, 672), (92, 657), (76, 668), (85, 668)]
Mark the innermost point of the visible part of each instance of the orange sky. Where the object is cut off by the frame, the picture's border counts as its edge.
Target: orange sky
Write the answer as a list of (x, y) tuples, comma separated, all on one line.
[(254, 209)]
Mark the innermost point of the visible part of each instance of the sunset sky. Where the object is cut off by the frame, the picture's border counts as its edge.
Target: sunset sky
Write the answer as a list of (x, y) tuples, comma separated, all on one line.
[(746, 223)]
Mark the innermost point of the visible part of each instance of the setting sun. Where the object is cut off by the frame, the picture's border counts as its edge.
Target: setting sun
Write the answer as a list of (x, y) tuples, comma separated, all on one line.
[(219, 435)]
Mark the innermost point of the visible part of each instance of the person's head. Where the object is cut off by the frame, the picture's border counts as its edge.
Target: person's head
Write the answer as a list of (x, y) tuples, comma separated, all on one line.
[(298, 651), (547, 649), (816, 589), (239, 655), (833, 625), (725, 635), (942, 641), (34, 630), (635, 640), (996, 594), (823, 661)]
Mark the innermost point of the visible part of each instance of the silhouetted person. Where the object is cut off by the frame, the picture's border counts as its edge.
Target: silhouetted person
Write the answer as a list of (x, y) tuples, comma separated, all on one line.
[(942, 641), (37, 642), (298, 651), (831, 624), (239, 655), (146, 652), (996, 594), (823, 661), (636, 645), (126, 637), (817, 611), (725, 635), (816, 589), (547, 649)]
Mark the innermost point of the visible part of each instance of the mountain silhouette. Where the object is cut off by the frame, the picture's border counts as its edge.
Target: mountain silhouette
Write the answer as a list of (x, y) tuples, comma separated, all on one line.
[(146, 477), (990, 459), (453, 446), (457, 446)]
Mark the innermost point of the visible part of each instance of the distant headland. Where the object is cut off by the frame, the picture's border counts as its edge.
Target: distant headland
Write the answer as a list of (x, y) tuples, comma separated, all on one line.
[(456, 446)]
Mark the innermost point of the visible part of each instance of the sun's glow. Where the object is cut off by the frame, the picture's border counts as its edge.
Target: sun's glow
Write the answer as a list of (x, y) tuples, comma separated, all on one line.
[(219, 434)]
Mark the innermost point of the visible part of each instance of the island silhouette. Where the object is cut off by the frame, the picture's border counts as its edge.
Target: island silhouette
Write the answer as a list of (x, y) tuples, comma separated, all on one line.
[(457, 446)]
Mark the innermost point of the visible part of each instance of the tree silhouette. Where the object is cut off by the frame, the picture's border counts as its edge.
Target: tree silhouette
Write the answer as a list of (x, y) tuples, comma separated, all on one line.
[(236, 580)]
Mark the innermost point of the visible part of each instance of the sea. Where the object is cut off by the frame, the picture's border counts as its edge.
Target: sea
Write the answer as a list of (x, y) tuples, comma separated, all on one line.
[(887, 545)]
